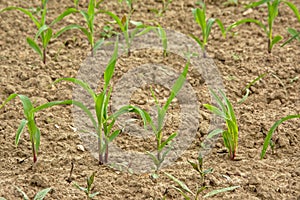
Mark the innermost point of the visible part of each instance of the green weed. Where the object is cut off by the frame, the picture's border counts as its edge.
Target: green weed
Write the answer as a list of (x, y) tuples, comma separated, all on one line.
[(230, 136), (268, 138)]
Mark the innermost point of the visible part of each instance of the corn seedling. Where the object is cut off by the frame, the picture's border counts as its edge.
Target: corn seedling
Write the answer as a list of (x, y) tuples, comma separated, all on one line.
[(199, 168), (89, 17), (104, 123), (44, 31), (123, 24), (39, 196), (165, 6), (268, 30), (247, 88), (230, 136), (108, 32), (164, 147), (205, 25), (161, 33), (88, 189), (268, 138), (187, 193), (29, 121)]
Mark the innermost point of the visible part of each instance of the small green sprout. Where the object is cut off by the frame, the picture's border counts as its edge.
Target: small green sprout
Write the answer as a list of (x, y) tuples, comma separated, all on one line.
[(104, 123), (123, 24), (230, 136), (247, 88), (88, 189), (89, 17), (44, 31), (268, 138), (29, 121), (158, 129), (187, 193), (199, 168), (39, 196), (205, 25), (165, 6)]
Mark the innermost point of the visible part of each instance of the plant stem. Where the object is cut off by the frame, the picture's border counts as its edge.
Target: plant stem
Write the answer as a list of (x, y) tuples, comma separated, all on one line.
[(100, 146), (33, 152), (44, 55), (106, 151)]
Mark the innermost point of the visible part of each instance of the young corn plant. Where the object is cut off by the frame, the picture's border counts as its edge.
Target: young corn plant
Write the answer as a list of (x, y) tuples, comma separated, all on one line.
[(205, 25), (104, 122), (89, 17), (268, 29), (44, 31), (268, 138), (247, 88), (187, 193), (123, 24), (230, 136), (39, 196), (88, 189), (29, 121), (163, 147), (198, 166), (165, 6)]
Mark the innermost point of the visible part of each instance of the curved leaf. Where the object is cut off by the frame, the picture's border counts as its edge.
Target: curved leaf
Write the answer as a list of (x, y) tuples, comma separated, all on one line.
[(272, 130), (34, 46), (20, 131)]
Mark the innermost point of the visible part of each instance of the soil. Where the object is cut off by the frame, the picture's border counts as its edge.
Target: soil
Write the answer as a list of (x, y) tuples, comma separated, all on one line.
[(240, 58)]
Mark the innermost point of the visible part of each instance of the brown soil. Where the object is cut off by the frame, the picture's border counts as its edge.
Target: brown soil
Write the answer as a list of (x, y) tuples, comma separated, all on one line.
[(240, 59)]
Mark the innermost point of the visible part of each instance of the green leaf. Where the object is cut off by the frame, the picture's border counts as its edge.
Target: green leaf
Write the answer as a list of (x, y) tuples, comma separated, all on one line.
[(93, 194), (272, 130), (34, 46), (201, 44), (243, 21), (115, 17), (153, 157), (73, 26), (27, 106), (295, 35), (12, 96), (40, 31), (114, 135), (256, 4), (177, 86), (47, 38), (180, 183), (275, 40), (26, 12), (214, 133), (214, 110), (20, 130), (81, 83), (98, 44), (41, 194), (214, 192), (100, 104), (109, 71), (186, 197), (294, 9), (167, 141), (23, 193)]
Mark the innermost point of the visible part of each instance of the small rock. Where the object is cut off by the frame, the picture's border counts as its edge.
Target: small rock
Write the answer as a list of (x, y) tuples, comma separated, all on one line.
[(80, 148), (247, 12)]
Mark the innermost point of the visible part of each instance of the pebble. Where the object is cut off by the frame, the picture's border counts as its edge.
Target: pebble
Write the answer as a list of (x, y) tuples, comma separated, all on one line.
[(80, 148)]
